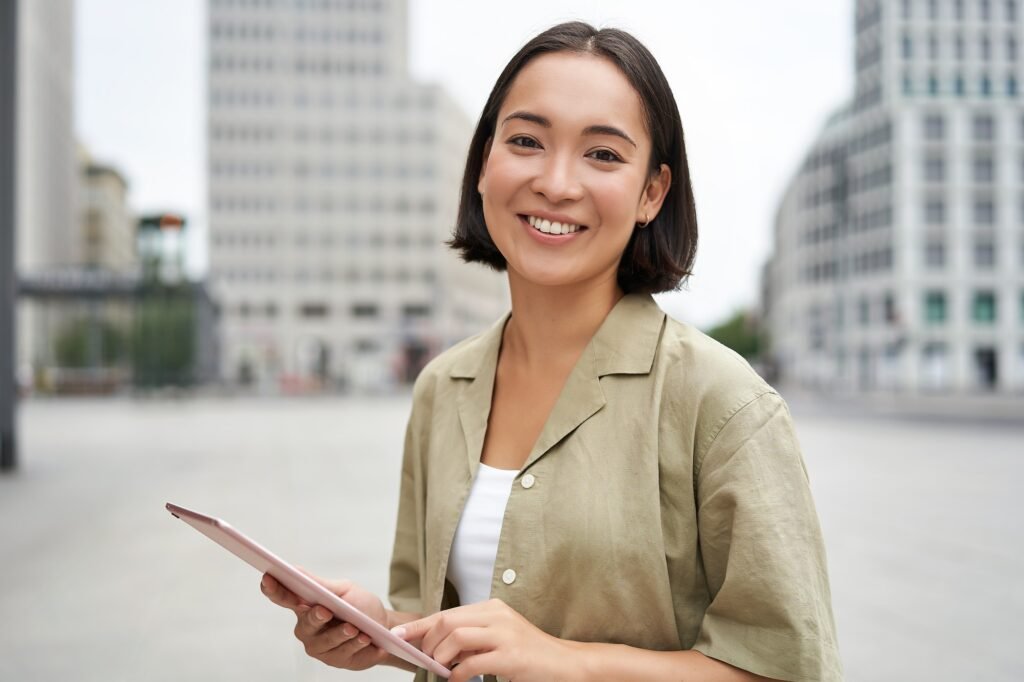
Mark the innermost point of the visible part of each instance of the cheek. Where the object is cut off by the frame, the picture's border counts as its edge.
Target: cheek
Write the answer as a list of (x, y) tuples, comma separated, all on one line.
[(615, 198), (504, 174)]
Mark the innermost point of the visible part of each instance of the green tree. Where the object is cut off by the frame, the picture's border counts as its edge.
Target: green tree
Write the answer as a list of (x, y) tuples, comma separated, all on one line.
[(90, 342), (741, 332), (165, 337)]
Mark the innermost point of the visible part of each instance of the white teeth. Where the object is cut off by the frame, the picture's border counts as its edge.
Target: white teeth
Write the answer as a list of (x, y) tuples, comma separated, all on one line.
[(549, 227)]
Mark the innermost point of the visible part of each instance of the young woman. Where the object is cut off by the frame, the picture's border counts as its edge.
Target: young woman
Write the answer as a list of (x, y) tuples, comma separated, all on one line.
[(592, 490)]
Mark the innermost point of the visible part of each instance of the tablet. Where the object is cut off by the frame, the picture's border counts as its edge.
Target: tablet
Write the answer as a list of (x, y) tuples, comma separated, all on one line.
[(313, 592)]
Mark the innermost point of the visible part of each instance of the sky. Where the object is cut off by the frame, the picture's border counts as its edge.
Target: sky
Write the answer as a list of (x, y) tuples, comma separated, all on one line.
[(754, 83)]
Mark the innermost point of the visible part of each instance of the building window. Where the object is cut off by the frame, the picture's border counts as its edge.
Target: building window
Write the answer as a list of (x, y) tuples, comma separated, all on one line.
[(933, 9), (934, 168), (313, 310), (934, 127), (908, 47), (416, 310), (1011, 49), (983, 127), (889, 308), (365, 310), (933, 84), (958, 47), (984, 169), (984, 253), (935, 254), (985, 9), (958, 85), (864, 311), (958, 8), (985, 48), (905, 9), (1011, 10), (935, 307), (933, 47), (984, 211), (983, 308), (986, 86), (935, 211), (1011, 86)]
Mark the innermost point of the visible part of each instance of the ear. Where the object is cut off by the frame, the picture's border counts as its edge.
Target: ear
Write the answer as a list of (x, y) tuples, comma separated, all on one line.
[(654, 194), (483, 165)]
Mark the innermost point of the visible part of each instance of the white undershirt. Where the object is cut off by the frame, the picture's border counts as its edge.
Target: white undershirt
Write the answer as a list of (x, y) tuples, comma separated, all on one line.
[(475, 547)]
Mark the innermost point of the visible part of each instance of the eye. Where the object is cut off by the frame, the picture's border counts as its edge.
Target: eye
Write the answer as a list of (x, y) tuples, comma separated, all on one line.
[(524, 142), (605, 155)]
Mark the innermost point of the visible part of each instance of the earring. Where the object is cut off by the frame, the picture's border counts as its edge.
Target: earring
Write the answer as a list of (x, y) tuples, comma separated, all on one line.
[(644, 223)]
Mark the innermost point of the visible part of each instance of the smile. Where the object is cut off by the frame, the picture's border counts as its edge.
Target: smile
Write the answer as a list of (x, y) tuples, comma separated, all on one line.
[(550, 227)]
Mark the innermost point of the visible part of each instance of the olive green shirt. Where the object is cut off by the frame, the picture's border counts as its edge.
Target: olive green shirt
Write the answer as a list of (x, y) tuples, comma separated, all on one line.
[(665, 504)]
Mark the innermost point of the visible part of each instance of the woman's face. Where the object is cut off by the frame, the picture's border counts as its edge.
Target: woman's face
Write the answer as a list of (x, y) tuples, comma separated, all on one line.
[(569, 155)]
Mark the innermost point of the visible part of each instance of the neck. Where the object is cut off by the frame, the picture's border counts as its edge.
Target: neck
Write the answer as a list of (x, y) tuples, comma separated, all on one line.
[(550, 326)]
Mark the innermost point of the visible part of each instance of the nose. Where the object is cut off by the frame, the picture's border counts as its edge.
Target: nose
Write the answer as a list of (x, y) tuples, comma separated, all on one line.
[(557, 179)]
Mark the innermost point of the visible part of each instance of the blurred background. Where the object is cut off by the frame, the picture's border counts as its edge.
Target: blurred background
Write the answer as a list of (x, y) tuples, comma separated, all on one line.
[(221, 268)]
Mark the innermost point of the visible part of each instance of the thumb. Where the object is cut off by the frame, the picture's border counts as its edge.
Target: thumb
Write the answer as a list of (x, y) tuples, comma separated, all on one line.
[(338, 587)]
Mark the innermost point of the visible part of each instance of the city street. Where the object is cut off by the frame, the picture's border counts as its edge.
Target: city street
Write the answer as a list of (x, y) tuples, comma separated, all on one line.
[(923, 521)]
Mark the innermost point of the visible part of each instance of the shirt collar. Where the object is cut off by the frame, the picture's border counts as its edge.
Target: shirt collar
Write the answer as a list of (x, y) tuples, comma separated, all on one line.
[(625, 343)]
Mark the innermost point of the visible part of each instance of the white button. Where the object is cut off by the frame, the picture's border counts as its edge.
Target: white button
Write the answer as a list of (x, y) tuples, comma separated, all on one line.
[(508, 577), (528, 481)]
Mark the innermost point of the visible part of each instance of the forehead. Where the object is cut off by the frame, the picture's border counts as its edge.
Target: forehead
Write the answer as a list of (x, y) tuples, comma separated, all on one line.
[(576, 90)]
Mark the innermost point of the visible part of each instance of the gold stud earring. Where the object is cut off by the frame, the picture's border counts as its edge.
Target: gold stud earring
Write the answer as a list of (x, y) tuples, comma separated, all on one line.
[(644, 223)]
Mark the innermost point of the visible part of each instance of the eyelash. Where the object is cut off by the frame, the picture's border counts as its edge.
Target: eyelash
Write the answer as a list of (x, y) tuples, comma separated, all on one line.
[(518, 140)]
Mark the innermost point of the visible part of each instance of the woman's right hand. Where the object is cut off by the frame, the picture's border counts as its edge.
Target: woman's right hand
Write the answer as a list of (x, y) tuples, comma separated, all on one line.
[(327, 639)]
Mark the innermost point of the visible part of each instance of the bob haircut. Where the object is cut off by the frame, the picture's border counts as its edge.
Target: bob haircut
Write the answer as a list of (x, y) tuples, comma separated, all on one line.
[(658, 257)]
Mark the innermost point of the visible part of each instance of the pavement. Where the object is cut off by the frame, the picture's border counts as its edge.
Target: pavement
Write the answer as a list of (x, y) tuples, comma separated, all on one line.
[(922, 516)]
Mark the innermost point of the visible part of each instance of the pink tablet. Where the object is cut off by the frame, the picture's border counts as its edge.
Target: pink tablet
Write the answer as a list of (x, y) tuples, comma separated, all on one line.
[(266, 562)]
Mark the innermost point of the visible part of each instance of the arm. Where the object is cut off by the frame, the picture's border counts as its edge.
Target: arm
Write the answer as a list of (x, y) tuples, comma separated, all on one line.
[(597, 662), (491, 638)]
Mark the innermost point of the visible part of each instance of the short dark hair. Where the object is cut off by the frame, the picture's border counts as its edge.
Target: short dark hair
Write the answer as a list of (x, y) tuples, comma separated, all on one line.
[(660, 256)]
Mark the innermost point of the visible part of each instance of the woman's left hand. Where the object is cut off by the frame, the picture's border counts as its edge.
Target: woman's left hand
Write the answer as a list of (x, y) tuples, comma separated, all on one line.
[(490, 638)]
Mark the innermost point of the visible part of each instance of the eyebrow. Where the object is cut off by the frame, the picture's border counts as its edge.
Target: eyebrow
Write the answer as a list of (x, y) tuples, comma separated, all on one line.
[(589, 130)]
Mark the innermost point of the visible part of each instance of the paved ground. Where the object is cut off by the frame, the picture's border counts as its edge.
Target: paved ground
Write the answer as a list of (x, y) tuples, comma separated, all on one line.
[(923, 521)]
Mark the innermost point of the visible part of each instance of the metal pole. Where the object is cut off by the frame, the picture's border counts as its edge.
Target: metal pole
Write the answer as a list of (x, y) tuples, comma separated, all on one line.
[(8, 159)]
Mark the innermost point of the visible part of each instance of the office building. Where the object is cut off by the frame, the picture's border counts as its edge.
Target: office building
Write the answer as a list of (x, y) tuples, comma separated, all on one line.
[(899, 244), (333, 181)]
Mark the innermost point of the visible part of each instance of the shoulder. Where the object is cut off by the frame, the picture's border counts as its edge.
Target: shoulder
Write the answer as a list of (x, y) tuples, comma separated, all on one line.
[(435, 380), (709, 379)]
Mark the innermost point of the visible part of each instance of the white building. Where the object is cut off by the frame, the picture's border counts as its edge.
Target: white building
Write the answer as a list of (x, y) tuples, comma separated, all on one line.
[(46, 176), (333, 181), (107, 227), (899, 245)]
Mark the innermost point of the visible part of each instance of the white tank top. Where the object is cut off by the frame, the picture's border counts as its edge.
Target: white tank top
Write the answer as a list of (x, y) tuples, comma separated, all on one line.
[(471, 562)]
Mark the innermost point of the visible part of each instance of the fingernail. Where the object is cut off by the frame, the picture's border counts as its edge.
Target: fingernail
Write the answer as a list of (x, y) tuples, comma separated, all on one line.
[(349, 630), (363, 639), (398, 631), (321, 614)]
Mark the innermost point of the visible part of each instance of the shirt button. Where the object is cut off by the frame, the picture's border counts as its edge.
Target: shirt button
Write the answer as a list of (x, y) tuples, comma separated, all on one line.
[(528, 481), (508, 577)]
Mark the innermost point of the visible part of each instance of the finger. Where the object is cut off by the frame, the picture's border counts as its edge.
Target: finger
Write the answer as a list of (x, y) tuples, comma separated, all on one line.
[(279, 594), (349, 653), (415, 629), (331, 637), (311, 622), (481, 664), (462, 643)]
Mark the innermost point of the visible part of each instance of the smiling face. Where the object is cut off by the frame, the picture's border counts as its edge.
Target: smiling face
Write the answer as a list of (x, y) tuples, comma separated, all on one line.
[(566, 175)]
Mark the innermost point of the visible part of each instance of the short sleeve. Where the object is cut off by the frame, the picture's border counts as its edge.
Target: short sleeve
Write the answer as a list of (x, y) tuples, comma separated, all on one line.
[(762, 550), (406, 557)]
